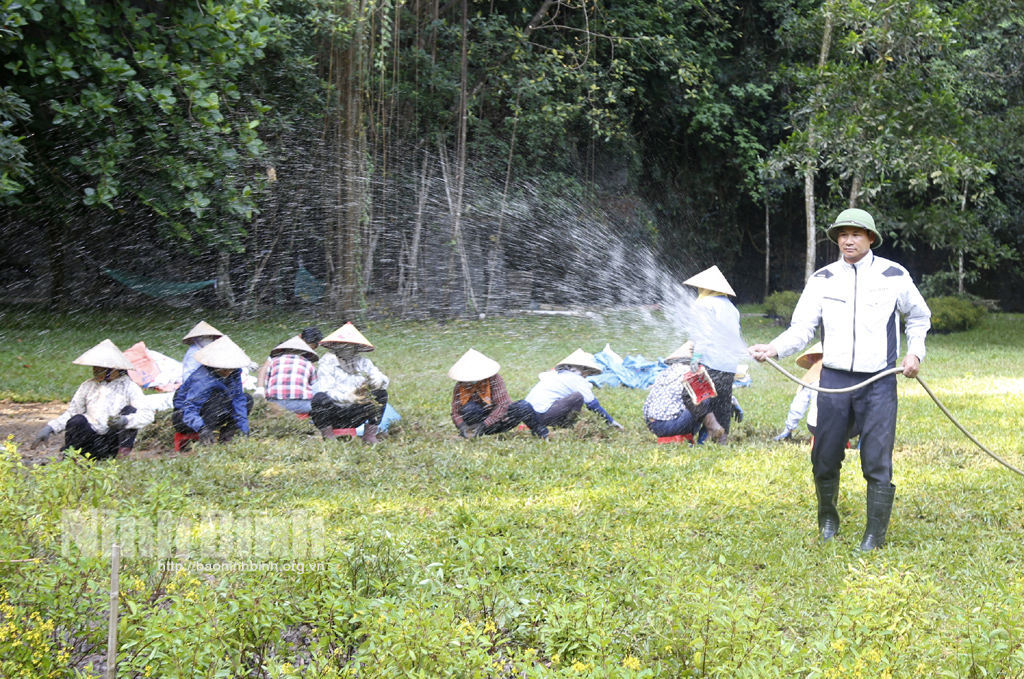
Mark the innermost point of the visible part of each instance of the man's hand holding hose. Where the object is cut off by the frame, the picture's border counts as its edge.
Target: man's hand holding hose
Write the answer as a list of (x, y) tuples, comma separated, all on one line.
[(760, 352)]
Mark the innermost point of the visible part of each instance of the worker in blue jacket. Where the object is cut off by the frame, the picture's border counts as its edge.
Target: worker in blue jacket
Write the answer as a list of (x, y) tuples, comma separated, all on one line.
[(212, 399)]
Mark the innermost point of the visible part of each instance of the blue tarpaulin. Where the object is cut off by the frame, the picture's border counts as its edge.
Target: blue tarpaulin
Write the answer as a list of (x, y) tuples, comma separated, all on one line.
[(635, 372)]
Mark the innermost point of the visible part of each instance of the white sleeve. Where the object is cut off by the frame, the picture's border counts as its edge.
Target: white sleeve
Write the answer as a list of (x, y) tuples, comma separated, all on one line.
[(918, 319), (76, 407), (143, 414), (798, 408), (806, 318), (377, 379)]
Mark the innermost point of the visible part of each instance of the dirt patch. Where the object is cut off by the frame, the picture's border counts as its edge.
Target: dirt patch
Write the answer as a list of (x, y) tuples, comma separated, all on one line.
[(24, 420)]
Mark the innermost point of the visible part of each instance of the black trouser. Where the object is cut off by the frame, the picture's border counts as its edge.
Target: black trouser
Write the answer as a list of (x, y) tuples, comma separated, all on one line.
[(562, 412), (518, 411), (78, 433), (326, 412), (720, 405), (217, 413), (870, 411)]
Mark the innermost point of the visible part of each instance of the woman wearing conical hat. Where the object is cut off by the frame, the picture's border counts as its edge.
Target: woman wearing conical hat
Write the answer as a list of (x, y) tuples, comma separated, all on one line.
[(106, 412), (718, 346), (211, 400), (201, 334), (290, 375), (806, 400), (350, 390), (480, 402), (311, 337), (560, 394), (665, 410)]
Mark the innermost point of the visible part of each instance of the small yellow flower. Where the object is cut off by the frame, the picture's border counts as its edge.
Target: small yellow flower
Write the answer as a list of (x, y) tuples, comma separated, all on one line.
[(631, 663)]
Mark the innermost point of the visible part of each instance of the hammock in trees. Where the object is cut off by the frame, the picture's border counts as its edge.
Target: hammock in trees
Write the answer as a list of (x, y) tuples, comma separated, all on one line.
[(153, 287), (307, 287)]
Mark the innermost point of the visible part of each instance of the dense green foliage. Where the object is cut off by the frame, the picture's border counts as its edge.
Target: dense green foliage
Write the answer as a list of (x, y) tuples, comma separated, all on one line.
[(955, 314), (350, 136), (600, 554), (781, 305)]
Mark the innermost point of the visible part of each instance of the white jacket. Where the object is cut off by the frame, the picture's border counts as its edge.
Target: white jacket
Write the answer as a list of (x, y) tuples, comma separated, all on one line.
[(858, 306), (341, 380), (98, 401)]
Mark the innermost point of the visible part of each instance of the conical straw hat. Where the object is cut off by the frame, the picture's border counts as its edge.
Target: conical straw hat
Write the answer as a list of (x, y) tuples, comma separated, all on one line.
[(348, 334), (473, 367), (711, 279), (222, 353), (683, 353), (105, 355), (809, 357), (582, 359), (295, 345), (202, 329)]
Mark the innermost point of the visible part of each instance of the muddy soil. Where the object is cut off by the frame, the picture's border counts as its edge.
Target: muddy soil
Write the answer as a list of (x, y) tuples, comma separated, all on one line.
[(24, 420)]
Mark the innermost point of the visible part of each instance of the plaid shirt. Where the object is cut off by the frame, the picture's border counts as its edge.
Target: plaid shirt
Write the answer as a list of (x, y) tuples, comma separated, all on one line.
[(499, 404), (290, 378)]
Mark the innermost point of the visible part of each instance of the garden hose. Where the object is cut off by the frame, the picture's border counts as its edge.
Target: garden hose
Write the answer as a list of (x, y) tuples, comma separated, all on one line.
[(893, 371)]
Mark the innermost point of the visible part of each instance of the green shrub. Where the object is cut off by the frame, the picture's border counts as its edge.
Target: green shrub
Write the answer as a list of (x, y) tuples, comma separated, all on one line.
[(954, 314), (780, 305)]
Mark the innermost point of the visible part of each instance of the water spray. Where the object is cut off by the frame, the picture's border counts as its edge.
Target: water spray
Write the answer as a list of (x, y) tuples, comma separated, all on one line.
[(893, 371)]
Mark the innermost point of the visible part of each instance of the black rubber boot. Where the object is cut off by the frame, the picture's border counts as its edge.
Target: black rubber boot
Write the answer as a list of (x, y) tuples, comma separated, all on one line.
[(879, 502), (828, 512)]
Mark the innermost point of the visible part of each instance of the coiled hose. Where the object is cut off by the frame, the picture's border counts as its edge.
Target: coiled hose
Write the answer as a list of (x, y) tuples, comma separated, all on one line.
[(893, 371)]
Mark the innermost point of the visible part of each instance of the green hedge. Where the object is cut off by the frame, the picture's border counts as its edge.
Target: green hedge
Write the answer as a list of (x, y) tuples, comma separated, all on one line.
[(954, 314), (780, 305)]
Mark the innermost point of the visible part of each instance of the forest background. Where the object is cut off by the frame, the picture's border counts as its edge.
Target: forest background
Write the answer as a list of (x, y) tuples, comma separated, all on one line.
[(451, 157)]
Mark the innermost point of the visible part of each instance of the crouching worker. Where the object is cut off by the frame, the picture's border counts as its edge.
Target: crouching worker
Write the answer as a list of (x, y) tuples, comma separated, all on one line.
[(665, 410), (212, 400), (351, 391), (106, 412), (806, 400), (200, 336), (560, 394), (290, 375), (480, 402)]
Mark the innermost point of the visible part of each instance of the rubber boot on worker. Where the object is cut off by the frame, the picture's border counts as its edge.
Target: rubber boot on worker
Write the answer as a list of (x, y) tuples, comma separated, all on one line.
[(828, 511), (716, 432), (879, 505), (369, 433)]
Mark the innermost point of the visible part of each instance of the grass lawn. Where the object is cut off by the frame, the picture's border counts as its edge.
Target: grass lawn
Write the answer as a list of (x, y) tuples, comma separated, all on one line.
[(599, 554)]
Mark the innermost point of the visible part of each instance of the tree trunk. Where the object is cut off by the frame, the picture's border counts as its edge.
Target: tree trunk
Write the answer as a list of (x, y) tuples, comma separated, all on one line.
[(811, 231), (811, 224), (497, 253), (767, 250), (412, 271), (855, 190), (960, 253), (224, 292), (344, 243)]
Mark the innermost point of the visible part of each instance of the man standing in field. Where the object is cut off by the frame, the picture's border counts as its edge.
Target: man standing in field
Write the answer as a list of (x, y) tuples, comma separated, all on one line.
[(857, 301)]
